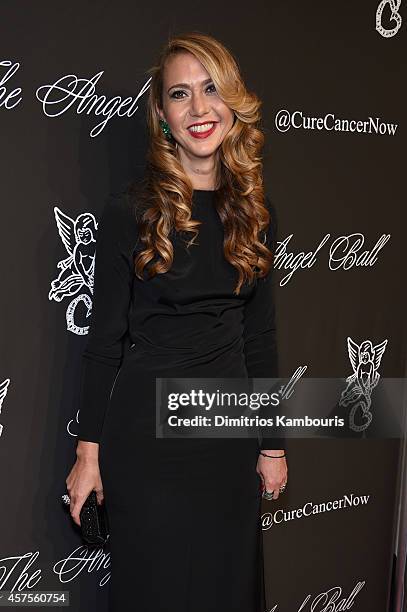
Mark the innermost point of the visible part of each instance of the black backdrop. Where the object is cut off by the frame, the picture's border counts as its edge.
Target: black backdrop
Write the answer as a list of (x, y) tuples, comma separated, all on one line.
[(316, 66)]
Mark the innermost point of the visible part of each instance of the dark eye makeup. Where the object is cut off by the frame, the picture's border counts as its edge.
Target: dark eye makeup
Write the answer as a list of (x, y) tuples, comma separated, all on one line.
[(176, 91)]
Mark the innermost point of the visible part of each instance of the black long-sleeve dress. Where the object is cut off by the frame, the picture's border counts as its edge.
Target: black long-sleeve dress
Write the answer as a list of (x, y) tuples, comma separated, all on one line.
[(184, 513)]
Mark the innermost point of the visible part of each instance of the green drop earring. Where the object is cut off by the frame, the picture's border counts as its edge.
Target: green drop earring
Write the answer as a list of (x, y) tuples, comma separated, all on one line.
[(166, 129)]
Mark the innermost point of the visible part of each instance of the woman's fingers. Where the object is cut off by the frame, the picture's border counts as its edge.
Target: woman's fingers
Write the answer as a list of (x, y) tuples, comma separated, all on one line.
[(81, 481), (272, 486), (274, 475), (99, 495), (76, 507)]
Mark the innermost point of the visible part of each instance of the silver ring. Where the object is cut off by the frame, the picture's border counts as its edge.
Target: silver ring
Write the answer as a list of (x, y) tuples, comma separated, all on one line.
[(268, 495)]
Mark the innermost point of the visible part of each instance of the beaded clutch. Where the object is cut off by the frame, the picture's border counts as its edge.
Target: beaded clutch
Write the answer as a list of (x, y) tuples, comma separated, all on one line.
[(94, 522)]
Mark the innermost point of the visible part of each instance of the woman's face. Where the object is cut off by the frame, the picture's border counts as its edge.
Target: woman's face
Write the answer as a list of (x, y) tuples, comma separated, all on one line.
[(190, 99)]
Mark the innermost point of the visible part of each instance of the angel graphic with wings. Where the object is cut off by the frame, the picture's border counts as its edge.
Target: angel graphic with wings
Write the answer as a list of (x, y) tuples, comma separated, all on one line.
[(365, 360), (77, 270), (3, 392)]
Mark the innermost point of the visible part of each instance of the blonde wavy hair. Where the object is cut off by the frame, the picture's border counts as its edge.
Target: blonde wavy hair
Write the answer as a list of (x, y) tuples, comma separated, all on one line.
[(164, 196)]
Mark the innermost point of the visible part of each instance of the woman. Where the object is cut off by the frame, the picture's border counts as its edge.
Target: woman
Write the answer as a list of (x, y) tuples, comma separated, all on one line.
[(184, 513)]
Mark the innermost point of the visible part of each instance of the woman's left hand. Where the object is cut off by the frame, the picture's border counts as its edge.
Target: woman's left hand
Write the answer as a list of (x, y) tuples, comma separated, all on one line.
[(273, 472)]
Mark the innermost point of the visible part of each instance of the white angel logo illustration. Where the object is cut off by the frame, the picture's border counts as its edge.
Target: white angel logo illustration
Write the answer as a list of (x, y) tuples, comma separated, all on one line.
[(365, 360), (72, 425), (394, 7), (77, 270), (3, 392)]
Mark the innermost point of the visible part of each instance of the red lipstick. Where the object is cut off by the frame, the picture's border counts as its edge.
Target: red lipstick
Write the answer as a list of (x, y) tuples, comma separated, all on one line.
[(203, 134)]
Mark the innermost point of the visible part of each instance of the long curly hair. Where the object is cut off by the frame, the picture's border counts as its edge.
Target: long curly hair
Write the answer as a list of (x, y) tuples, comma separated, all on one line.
[(163, 196)]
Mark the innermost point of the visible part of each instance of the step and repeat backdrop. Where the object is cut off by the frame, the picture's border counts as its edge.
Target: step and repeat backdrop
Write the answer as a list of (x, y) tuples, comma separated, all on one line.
[(332, 80)]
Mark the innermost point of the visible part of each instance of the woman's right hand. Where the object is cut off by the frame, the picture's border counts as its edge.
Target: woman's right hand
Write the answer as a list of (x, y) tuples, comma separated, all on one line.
[(84, 477)]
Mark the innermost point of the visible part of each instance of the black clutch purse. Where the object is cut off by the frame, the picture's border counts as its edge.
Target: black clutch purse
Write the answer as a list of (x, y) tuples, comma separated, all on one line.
[(94, 521)]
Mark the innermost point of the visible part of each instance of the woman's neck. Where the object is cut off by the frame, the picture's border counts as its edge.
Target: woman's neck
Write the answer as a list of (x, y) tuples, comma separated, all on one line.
[(201, 172)]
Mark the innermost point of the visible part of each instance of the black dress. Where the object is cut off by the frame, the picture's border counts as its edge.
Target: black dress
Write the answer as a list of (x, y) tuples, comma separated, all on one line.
[(184, 513)]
